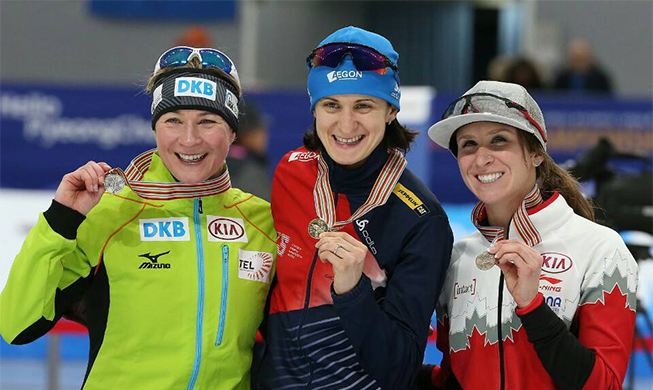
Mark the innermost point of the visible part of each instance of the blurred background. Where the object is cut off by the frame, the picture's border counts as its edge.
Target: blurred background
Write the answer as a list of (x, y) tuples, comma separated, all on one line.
[(72, 73)]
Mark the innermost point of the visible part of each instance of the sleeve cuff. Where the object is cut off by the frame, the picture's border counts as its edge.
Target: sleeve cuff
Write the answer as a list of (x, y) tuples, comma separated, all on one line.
[(63, 220), (535, 303), (351, 296)]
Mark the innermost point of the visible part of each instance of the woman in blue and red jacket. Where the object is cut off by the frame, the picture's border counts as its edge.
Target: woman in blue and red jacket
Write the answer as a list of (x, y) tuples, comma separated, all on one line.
[(363, 244)]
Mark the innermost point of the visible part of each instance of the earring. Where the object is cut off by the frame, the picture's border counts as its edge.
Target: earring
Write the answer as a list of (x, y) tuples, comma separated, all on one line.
[(537, 163)]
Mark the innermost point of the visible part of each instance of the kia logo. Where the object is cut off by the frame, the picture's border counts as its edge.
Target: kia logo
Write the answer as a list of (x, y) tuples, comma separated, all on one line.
[(225, 229), (556, 263)]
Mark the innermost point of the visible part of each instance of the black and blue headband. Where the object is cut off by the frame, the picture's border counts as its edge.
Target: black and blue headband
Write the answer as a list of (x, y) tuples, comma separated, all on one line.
[(196, 89)]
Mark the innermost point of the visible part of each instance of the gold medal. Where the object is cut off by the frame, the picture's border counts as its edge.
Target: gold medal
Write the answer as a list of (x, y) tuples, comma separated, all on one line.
[(317, 227), (485, 261)]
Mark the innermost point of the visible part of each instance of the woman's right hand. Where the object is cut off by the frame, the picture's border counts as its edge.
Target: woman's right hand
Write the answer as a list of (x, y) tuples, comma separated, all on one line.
[(82, 189)]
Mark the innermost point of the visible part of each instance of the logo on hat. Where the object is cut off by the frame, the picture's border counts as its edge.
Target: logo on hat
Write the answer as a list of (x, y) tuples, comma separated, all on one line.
[(196, 87), (231, 102), (338, 75)]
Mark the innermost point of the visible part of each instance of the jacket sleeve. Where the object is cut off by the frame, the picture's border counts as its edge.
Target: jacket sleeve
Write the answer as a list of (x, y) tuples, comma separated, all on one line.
[(390, 336), (598, 357), (46, 278)]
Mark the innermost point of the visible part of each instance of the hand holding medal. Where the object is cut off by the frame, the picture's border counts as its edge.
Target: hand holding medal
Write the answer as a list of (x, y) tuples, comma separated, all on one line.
[(347, 257), (82, 189), (521, 266)]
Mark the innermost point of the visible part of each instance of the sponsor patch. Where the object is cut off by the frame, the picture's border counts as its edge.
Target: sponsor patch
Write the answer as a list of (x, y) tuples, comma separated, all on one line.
[(224, 229), (157, 96), (231, 102), (254, 265), (164, 229), (556, 263), (462, 289), (411, 200), (338, 75), (302, 156), (196, 87), (361, 223), (153, 262)]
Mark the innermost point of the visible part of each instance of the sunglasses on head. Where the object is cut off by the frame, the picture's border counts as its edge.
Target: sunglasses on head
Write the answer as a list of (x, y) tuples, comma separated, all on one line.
[(454, 109), (210, 58), (364, 58)]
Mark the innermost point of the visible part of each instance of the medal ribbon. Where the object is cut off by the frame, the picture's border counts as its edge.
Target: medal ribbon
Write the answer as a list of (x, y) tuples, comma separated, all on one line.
[(381, 191), (523, 224), (169, 191)]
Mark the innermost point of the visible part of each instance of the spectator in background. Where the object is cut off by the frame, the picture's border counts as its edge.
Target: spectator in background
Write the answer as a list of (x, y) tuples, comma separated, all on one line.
[(523, 72), (582, 73), (247, 159), (194, 36)]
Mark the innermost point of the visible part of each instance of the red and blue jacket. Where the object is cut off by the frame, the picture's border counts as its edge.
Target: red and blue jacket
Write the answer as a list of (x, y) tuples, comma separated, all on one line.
[(373, 336)]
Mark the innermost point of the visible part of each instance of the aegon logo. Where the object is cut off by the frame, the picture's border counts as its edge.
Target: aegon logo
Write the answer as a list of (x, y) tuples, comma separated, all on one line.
[(223, 229), (164, 229), (302, 156), (361, 223), (337, 75), (556, 263), (195, 86)]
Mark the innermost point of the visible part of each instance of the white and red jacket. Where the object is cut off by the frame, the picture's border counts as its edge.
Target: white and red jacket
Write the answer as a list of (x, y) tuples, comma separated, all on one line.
[(577, 333)]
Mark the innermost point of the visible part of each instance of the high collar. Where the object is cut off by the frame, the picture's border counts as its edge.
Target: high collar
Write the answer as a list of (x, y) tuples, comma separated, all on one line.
[(361, 179), (150, 179)]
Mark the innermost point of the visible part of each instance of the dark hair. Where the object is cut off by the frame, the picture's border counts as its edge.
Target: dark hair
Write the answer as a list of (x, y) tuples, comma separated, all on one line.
[(553, 178), (396, 136)]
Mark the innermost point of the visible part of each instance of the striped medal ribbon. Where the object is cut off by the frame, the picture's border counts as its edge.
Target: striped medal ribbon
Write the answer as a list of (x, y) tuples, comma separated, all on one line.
[(161, 190), (323, 196), (523, 225)]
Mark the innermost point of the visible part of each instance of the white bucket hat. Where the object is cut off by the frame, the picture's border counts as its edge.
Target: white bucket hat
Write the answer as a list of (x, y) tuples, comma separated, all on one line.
[(491, 101)]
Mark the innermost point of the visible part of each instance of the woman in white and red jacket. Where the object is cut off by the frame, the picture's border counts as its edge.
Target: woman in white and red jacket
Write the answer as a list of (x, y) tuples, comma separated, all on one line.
[(540, 297)]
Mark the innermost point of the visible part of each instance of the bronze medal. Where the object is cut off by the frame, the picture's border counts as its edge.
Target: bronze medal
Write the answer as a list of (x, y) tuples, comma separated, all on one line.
[(114, 182), (485, 261), (317, 227)]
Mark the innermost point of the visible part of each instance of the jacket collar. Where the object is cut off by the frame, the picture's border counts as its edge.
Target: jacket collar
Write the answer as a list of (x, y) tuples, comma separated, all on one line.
[(357, 180), (150, 179)]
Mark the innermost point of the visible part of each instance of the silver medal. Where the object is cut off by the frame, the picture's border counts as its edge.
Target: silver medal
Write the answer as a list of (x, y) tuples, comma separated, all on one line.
[(114, 183), (317, 227), (485, 261)]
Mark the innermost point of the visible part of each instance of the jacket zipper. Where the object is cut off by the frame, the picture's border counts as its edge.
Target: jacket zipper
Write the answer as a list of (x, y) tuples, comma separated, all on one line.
[(223, 299), (200, 292), (501, 363)]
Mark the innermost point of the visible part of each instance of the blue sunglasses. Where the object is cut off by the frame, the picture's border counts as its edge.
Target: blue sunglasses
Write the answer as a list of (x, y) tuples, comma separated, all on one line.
[(210, 58)]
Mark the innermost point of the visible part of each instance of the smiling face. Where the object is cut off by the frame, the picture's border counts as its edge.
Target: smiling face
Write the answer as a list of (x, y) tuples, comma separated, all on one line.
[(193, 144), (494, 164), (351, 126)]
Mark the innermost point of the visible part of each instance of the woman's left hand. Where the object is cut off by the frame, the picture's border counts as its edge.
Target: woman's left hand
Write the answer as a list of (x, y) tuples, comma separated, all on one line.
[(346, 255), (521, 266)]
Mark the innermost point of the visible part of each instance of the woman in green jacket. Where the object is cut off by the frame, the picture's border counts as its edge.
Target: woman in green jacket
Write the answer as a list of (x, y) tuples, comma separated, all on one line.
[(166, 264)]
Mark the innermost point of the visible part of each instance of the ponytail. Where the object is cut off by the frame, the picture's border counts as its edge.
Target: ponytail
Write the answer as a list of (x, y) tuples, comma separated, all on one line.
[(553, 178)]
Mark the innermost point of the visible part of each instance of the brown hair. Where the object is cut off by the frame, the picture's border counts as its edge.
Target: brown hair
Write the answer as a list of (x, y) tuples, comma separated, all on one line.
[(396, 136), (194, 63), (553, 178)]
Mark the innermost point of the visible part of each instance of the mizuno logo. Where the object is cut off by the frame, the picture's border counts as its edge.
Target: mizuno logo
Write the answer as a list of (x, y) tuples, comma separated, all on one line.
[(153, 258), (154, 261)]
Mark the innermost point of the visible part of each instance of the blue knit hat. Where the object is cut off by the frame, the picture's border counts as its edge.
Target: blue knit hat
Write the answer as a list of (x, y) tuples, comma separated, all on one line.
[(346, 79)]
